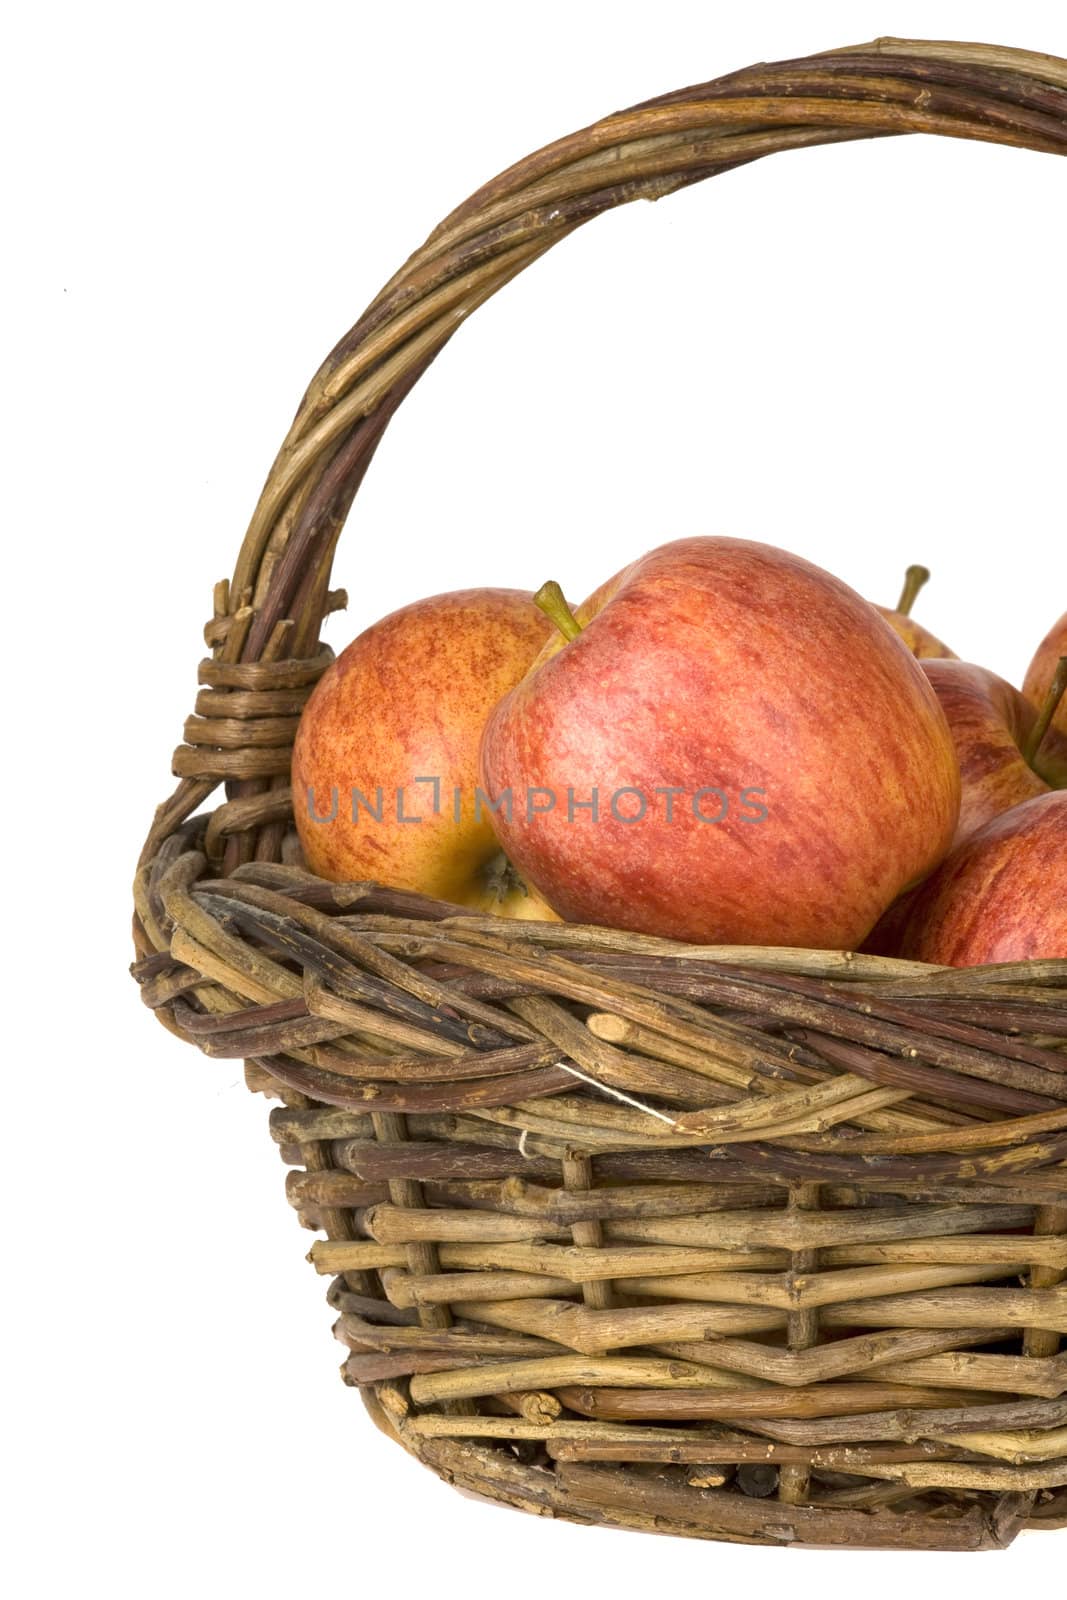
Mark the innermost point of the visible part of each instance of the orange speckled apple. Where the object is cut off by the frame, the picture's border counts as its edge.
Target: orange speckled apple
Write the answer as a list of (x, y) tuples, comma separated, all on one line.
[(407, 700), (813, 773), (1001, 895), (924, 645)]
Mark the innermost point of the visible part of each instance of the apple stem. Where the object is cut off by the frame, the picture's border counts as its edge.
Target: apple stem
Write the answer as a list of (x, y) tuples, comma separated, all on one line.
[(1056, 691), (915, 579), (549, 598), (501, 878)]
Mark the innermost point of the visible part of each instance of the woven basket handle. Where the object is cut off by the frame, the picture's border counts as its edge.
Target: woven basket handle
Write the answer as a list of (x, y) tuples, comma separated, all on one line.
[(265, 630)]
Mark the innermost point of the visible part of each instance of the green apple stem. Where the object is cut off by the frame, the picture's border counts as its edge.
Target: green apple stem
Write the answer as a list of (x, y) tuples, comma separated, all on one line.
[(915, 579), (549, 598), (1057, 689)]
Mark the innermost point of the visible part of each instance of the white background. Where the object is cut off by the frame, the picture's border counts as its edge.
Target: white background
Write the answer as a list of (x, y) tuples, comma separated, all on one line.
[(857, 352)]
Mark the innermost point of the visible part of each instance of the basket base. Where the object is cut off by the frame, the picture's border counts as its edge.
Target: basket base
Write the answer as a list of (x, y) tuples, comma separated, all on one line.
[(660, 1500)]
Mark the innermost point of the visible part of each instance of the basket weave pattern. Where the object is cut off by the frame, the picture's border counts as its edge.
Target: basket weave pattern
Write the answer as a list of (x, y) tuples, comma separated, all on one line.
[(758, 1245)]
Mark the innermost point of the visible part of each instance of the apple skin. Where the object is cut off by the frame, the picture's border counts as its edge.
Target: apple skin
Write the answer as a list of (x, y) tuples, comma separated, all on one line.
[(1051, 759), (722, 662), (407, 699), (1001, 895), (990, 722), (919, 640)]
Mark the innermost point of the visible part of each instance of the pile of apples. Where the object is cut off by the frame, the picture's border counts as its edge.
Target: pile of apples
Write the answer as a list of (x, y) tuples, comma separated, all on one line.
[(723, 745)]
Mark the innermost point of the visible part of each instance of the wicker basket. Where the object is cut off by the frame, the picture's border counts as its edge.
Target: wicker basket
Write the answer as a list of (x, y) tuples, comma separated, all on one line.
[(804, 1281)]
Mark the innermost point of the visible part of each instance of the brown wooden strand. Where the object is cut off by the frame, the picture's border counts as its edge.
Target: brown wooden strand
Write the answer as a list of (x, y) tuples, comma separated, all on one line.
[(1050, 1220), (629, 1499)]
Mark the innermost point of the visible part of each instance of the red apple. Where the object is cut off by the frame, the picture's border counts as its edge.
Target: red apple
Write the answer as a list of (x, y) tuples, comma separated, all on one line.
[(1051, 760), (1001, 895), (771, 766), (402, 706), (919, 640), (991, 725), (999, 747)]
